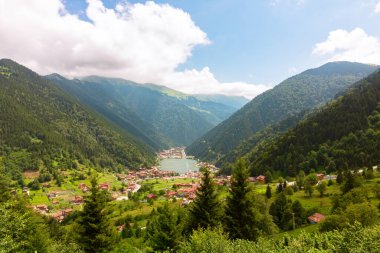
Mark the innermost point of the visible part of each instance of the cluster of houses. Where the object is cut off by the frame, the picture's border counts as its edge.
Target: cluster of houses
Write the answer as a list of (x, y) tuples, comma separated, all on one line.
[(173, 153), (187, 191), (143, 173)]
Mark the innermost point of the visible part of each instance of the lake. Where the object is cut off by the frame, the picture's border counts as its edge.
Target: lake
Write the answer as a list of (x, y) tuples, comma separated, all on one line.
[(178, 165)]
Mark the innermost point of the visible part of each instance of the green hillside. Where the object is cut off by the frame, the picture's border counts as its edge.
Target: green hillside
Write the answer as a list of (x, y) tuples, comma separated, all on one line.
[(307, 90), (157, 115), (343, 134), (42, 126)]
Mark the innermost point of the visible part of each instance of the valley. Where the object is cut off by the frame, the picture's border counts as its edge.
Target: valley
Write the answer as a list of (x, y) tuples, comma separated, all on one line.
[(189, 126)]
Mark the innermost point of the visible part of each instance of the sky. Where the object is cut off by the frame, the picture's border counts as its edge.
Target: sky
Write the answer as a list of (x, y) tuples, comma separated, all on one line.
[(232, 47)]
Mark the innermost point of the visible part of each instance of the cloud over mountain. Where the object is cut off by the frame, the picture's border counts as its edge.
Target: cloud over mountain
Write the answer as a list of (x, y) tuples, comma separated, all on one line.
[(141, 42), (355, 45)]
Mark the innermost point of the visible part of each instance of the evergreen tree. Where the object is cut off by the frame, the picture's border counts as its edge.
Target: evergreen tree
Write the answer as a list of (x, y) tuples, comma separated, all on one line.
[(95, 233), (339, 177), (163, 232), (268, 192), (281, 211), (268, 177), (204, 212), (241, 219)]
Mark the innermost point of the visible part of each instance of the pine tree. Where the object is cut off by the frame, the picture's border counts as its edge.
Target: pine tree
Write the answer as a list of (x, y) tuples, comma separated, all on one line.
[(163, 232), (204, 212), (339, 177), (281, 211), (241, 219), (95, 233), (268, 192)]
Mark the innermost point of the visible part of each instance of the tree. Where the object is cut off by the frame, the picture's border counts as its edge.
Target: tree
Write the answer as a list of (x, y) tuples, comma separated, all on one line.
[(299, 213), (309, 189), (268, 192), (300, 178), (321, 188), (205, 211), (351, 181), (241, 220), (281, 211), (268, 177), (95, 231), (339, 177), (163, 231)]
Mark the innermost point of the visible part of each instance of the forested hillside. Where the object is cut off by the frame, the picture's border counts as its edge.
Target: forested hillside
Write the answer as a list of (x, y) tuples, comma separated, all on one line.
[(309, 89), (158, 115), (343, 134), (42, 126)]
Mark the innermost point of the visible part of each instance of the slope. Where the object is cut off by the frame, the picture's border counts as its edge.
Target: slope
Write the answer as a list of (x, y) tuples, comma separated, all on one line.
[(47, 127), (294, 95), (165, 116), (343, 134)]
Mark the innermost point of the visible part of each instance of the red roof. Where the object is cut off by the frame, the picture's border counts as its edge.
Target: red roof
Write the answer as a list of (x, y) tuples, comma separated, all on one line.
[(317, 217)]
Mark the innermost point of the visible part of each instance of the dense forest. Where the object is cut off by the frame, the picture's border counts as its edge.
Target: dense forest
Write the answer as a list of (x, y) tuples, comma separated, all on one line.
[(343, 134), (158, 115), (307, 90), (43, 127)]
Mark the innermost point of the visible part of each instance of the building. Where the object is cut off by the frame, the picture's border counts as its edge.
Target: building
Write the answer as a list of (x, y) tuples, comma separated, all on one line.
[(316, 218)]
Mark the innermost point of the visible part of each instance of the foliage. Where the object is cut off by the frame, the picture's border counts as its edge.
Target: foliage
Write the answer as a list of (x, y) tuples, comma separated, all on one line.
[(43, 126), (294, 95), (156, 115), (95, 231), (240, 217), (353, 239), (268, 192), (321, 188), (163, 232), (205, 210), (346, 131)]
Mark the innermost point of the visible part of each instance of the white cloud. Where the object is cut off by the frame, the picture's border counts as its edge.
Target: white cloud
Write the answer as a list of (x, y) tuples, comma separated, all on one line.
[(140, 42), (355, 45), (377, 8), (207, 84)]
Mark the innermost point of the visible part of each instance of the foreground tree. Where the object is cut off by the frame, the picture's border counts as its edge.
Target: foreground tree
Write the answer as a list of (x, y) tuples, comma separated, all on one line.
[(95, 231), (241, 219), (163, 232), (204, 212)]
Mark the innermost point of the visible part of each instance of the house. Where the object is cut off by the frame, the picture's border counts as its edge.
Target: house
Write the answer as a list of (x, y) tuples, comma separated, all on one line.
[(77, 200), (151, 196), (55, 202), (320, 176), (104, 186), (42, 209), (83, 187), (171, 194), (316, 218), (261, 179)]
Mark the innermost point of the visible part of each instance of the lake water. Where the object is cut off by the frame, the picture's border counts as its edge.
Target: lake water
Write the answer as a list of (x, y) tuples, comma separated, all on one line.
[(178, 165)]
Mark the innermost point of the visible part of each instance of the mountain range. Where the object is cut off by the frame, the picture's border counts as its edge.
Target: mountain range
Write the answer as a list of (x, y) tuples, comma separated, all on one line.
[(41, 125), (159, 116), (309, 89)]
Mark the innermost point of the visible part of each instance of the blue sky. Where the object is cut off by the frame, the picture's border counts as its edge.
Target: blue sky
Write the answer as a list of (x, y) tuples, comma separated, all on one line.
[(235, 47), (265, 41)]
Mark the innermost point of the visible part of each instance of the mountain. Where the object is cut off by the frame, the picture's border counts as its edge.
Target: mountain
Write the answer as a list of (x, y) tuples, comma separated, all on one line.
[(158, 115), (343, 134), (304, 91), (236, 102), (41, 125)]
